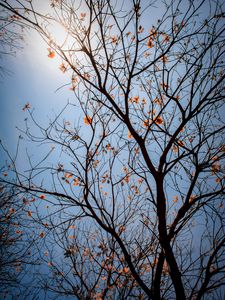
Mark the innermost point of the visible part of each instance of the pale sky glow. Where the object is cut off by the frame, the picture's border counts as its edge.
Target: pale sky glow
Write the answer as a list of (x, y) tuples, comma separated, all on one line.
[(34, 79)]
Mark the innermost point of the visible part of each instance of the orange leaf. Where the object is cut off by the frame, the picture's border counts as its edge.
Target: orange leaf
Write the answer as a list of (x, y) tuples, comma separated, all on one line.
[(175, 149), (130, 136), (153, 32), (218, 180), (82, 16), (159, 120), (146, 123), (166, 38), (127, 179), (71, 237), (63, 68), (51, 53), (215, 168), (164, 59), (158, 101), (11, 210), (134, 99), (72, 227), (42, 234), (76, 182), (181, 143), (114, 39), (192, 198), (175, 199), (150, 43), (87, 120), (122, 228), (144, 101), (68, 175)]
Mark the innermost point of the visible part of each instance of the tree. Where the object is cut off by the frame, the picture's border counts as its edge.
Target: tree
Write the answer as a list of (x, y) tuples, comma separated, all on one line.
[(16, 244), (10, 37), (140, 177)]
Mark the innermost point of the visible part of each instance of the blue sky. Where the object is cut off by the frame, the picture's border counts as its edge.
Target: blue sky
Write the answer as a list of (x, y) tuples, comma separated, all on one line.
[(34, 78)]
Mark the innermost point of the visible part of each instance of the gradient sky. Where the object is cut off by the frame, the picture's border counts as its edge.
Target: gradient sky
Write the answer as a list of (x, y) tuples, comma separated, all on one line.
[(34, 79)]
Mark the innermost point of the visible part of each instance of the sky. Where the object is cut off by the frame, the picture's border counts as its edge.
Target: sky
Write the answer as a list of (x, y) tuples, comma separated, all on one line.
[(34, 78)]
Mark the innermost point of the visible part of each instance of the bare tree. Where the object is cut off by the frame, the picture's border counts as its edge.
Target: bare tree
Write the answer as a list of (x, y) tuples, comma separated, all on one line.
[(17, 254), (11, 37), (138, 173)]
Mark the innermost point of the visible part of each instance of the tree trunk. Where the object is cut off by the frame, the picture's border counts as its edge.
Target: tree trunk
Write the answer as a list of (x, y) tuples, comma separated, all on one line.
[(165, 243)]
